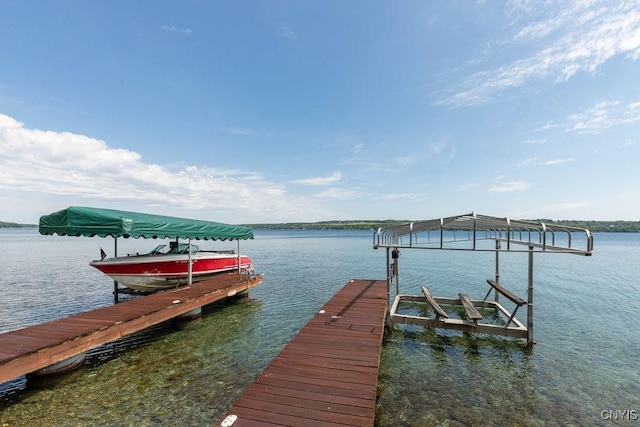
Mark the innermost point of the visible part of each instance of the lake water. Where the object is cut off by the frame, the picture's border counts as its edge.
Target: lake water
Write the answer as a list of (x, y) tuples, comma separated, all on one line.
[(584, 369)]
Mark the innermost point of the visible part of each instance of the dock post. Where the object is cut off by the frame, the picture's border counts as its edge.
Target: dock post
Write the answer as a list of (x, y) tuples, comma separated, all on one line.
[(496, 295), (388, 284), (395, 254), (530, 300), (239, 263), (116, 289), (189, 266)]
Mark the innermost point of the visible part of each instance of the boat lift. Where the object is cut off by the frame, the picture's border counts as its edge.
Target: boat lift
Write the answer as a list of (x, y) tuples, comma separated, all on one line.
[(247, 272), (90, 222), (467, 233)]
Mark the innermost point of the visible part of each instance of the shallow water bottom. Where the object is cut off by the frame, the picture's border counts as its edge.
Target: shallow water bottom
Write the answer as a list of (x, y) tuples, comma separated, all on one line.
[(448, 378)]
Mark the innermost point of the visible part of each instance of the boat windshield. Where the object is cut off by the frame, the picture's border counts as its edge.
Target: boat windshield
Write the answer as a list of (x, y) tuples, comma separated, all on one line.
[(158, 250), (183, 248)]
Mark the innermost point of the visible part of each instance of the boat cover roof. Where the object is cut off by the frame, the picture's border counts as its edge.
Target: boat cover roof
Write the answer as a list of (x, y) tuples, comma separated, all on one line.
[(85, 221)]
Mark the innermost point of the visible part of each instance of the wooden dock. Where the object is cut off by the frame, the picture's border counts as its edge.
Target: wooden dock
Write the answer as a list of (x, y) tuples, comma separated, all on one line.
[(328, 374), (26, 350)]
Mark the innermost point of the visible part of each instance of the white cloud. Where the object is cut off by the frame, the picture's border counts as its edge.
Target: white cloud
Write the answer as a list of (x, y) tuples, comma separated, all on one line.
[(540, 161), (527, 161), (443, 149), (602, 116), (510, 186), (81, 167), (287, 32), (322, 180), (357, 148), (547, 126), (565, 38), (176, 30), (559, 161), (243, 131)]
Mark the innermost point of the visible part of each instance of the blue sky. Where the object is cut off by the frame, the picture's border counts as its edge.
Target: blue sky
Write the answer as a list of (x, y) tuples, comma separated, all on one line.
[(284, 111)]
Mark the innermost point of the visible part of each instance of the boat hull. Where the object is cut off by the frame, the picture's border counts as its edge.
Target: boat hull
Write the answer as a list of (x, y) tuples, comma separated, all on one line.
[(62, 367), (150, 273)]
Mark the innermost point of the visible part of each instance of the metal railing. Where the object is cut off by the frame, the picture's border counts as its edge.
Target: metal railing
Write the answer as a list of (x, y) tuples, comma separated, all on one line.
[(451, 232)]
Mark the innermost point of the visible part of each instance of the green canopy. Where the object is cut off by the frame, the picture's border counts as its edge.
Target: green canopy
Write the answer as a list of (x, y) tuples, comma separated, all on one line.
[(83, 221)]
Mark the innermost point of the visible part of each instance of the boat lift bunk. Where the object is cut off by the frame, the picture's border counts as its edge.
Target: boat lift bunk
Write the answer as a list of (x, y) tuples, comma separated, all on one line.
[(469, 232)]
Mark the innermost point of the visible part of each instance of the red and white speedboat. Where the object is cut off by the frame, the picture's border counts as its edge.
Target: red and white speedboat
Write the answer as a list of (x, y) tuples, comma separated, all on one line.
[(160, 269)]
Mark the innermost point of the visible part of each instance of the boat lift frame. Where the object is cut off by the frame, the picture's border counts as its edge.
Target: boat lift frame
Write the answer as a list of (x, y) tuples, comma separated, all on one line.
[(464, 232)]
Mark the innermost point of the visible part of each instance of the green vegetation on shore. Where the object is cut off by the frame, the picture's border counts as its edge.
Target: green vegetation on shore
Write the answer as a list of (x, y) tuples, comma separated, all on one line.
[(4, 224), (329, 225), (595, 226), (600, 226)]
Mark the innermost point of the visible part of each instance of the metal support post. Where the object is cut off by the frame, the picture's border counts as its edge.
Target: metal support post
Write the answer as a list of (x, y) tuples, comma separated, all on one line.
[(496, 296), (116, 290), (239, 264), (530, 300), (189, 266), (395, 254), (388, 281)]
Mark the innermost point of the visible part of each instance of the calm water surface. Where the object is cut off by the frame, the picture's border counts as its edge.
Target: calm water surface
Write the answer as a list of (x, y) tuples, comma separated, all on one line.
[(582, 371)]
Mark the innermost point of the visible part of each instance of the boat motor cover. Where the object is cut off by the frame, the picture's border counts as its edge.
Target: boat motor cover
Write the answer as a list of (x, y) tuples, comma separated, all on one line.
[(86, 221)]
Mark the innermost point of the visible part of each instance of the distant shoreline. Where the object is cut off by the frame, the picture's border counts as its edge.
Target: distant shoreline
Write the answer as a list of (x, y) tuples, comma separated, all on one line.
[(16, 225), (594, 226)]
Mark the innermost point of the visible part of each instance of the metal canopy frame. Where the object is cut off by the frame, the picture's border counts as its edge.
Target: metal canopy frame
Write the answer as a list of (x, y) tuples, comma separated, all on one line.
[(467, 232), (444, 233)]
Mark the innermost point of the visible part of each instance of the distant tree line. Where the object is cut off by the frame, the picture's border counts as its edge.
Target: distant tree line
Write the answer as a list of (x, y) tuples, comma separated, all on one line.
[(595, 226), (4, 224), (599, 226), (329, 225)]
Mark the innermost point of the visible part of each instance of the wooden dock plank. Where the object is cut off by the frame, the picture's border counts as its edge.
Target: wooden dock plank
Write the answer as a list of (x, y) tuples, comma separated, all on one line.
[(328, 373), (322, 362), (35, 347), (330, 388), (307, 400), (264, 389), (341, 358), (305, 416)]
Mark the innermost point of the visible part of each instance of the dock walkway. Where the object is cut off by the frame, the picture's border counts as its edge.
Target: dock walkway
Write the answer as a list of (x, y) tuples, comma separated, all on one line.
[(29, 349), (328, 373)]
